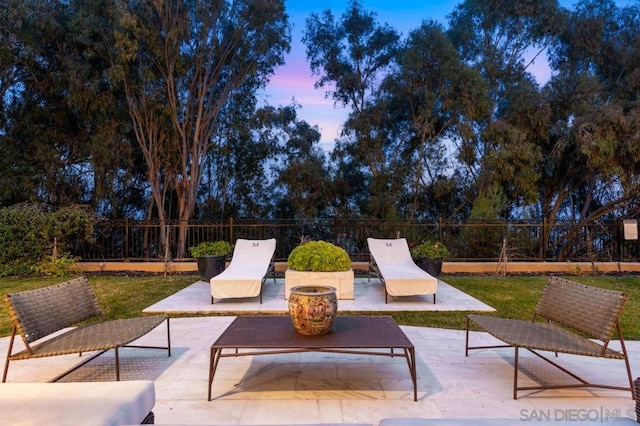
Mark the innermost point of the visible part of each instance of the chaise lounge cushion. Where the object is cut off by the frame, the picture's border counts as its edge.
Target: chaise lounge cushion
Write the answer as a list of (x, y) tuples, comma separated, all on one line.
[(402, 277), (246, 272), (85, 403)]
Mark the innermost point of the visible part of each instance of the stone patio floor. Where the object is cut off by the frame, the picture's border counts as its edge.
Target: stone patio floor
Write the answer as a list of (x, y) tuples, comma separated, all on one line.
[(333, 388)]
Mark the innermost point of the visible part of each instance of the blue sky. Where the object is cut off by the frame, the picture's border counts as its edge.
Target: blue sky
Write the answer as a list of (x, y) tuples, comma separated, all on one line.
[(295, 81)]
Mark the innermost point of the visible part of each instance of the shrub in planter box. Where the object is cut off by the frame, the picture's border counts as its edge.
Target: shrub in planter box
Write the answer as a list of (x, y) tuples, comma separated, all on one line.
[(320, 263)]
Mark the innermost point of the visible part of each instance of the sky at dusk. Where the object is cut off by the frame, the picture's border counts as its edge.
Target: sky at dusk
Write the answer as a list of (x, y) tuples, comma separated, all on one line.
[(294, 80)]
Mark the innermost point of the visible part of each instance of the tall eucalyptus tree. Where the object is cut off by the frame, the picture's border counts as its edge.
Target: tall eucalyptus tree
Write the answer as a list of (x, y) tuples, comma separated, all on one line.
[(63, 134), (45, 145), (351, 56), (440, 98), (502, 39), (592, 159), (302, 185), (179, 63)]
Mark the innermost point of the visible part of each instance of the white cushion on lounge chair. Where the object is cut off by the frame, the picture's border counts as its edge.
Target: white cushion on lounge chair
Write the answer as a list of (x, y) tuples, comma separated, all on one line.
[(244, 275), (402, 277)]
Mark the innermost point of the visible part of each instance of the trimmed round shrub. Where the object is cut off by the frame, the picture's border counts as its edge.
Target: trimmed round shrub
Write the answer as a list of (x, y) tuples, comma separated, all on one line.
[(319, 256)]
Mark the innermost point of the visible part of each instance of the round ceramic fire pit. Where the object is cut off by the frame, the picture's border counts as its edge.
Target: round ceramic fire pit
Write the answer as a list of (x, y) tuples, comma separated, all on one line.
[(313, 308)]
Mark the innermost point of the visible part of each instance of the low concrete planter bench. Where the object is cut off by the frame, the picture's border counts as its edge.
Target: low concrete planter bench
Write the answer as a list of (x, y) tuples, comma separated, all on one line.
[(577, 320), (38, 316), (86, 403), (341, 280)]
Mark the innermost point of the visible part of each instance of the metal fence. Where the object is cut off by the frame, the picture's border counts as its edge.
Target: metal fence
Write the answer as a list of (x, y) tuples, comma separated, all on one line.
[(122, 240)]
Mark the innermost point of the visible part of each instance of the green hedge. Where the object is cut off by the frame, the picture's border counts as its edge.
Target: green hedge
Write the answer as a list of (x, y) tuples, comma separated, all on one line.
[(29, 232)]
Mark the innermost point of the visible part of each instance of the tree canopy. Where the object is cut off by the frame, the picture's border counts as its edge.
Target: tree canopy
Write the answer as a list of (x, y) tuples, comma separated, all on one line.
[(148, 109)]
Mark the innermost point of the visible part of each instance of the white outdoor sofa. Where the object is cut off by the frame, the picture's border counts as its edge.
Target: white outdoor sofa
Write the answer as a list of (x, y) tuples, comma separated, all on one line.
[(78, 403)]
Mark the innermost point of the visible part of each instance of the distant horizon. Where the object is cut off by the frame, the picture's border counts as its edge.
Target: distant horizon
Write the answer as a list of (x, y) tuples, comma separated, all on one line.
[(295, 82)]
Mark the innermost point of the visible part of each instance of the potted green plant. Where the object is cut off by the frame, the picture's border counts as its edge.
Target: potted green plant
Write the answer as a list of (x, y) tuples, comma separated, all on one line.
[(211, 257), (319, 263), (319, 256), (429, 255)]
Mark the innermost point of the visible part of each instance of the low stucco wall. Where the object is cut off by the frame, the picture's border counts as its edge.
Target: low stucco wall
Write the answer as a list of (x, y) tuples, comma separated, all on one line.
[(447, 267)]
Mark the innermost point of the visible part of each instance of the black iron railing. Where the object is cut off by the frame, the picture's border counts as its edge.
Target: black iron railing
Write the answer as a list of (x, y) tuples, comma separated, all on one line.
[(117, 240)]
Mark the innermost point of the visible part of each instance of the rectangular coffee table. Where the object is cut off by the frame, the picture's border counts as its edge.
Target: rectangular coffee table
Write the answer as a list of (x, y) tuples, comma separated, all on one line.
[(264, 335)]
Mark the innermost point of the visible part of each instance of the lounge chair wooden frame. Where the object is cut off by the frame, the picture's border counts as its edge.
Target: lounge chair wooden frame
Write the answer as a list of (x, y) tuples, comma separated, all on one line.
[(38, 314), (579, 320)]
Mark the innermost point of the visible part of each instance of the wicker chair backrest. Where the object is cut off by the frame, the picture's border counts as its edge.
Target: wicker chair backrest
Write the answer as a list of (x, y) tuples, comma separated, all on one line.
[(38, 313), (591, 310)]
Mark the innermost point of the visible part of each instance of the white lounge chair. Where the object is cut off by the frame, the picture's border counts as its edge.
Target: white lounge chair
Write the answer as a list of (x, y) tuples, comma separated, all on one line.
[(391, 261), (251, 261)]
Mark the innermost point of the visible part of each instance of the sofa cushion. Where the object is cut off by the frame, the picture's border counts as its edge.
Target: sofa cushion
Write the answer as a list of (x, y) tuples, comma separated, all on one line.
[(90, 403)]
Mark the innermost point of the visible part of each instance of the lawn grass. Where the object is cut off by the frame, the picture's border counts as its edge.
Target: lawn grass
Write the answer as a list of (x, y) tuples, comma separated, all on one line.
[(512, 296)]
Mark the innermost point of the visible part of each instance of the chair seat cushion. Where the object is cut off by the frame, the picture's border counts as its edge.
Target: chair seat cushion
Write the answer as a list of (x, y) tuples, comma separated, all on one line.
[(86, 403)]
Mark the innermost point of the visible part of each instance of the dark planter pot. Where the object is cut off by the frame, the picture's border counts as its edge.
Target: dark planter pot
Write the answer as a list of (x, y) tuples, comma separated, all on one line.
[(432, 266), (210, 266)]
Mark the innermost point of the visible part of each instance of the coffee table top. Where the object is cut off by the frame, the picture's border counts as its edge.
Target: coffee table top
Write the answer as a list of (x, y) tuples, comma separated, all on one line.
[(346, 332)]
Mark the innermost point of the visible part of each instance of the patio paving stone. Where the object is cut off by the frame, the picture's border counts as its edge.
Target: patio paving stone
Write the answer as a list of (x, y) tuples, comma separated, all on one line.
[(320, 387)]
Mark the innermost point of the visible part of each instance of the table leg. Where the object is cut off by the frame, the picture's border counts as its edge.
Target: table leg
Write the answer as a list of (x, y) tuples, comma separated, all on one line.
[(410, 355), (213, 365)]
